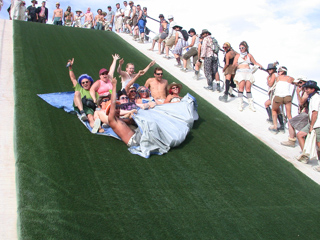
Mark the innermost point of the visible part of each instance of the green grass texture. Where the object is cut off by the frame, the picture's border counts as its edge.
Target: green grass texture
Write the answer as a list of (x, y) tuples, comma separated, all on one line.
[(221, 183)]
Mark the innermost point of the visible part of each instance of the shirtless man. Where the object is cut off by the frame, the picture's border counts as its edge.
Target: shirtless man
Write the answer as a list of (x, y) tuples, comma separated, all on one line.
[(98, 20), (127, 75), (68, 17), (88, 19), (127, 135), (157, 86), (57, 15)]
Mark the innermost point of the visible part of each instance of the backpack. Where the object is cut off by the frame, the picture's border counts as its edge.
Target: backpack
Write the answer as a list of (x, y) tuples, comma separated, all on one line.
[(185, 34), (215, 46)]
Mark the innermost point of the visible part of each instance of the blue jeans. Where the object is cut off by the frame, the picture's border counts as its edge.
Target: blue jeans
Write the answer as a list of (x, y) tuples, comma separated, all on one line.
[(98, 26)]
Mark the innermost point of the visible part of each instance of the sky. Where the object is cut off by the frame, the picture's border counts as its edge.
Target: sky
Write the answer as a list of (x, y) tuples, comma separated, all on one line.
[(287, 31)]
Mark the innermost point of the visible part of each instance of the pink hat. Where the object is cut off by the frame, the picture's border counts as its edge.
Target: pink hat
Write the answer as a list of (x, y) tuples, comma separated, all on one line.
[(102, 70)]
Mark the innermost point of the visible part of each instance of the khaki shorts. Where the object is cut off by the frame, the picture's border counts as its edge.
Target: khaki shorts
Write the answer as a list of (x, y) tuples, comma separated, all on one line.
[(170, 41), (307, 128), (193, 52), (231, 69), (282, 100)]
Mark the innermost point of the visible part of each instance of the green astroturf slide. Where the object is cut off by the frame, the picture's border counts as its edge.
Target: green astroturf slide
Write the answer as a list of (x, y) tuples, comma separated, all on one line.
[(221, 183)]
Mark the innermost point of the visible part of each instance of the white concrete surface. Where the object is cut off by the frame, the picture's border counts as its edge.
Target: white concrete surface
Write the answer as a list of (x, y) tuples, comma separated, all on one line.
[(8, 199), (254, 122)]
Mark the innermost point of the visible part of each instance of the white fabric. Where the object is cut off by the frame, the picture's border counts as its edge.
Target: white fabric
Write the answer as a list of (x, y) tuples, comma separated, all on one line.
[(282, 89), (244, 74), (310, 149), (314, 105), (127, 10)]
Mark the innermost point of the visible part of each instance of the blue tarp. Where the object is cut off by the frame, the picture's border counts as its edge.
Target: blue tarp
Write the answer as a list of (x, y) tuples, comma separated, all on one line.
[(162, 127)]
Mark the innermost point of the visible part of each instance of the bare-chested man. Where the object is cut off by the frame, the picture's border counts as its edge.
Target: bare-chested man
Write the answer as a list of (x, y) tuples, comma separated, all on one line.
[(128, 136), (57, 15), (129, 74), (68, 17), (157, 86), (88, 19), (98, 20)]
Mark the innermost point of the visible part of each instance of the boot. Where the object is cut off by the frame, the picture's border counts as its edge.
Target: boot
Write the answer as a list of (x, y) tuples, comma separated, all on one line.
[(223, 98), (251, 106), (280, 119), (141, 40), (240, 104), (269, 115), (135, 37), (218, 87), (290, 143)]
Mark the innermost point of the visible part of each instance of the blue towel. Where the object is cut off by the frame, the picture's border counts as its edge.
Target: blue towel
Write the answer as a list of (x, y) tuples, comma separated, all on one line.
[(64, 100)]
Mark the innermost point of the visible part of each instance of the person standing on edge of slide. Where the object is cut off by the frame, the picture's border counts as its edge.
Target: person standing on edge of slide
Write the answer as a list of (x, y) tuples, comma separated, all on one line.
[(57, 15)]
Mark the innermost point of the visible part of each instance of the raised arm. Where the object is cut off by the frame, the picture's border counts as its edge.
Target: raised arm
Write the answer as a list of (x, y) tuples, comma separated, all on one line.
[(113, 65), (132, 81), (113, 99), (71, 73), (122, 73), (149, 66)]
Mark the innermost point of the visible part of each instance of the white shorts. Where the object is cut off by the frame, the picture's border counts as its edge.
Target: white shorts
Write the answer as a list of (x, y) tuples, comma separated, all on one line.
[(135, 139)]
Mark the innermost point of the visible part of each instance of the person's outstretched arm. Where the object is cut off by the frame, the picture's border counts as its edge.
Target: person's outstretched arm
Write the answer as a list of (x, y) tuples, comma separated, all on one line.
[(71, 73), (113, 65)]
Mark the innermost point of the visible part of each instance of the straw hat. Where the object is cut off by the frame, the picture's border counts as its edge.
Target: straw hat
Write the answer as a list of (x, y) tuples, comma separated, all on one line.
[(174, 84)]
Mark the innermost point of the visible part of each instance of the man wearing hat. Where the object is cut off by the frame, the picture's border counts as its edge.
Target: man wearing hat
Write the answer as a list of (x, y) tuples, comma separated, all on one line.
[(210, 57), (42, 13), (193, 50), (311, 89), (57, 15), (32, 11), (110, 18), (170, 40), (68, 17), (301, 120)]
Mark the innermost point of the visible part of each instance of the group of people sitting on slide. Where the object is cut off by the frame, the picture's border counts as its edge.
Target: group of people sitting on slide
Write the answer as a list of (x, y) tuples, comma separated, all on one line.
[(102, 106)]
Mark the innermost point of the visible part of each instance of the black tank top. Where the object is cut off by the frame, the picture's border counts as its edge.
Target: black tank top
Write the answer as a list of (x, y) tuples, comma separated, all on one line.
[(230, 60)]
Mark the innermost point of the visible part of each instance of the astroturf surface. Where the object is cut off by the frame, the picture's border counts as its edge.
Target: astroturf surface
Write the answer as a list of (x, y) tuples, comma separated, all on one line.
[(221, 183)]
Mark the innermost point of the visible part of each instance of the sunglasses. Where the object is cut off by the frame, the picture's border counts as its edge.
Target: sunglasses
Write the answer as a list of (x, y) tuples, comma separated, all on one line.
[(241, 48), (124, 98), (159, 74), (224, 47), (144, 91), (105, 100), (174, 88), (105, 73), (84, 82), (132, 91)]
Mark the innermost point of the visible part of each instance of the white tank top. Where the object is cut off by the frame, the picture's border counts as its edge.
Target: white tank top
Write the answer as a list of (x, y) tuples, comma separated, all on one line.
[(282, 89)]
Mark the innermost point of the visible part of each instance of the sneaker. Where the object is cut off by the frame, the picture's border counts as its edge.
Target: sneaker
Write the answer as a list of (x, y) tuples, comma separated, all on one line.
[(196, 77), (288, 143), (141, 41), (218, 89), (105, 125), (273, 130), (303, 158), (184, 69), (210, 88), (83, 117), (223, 98), (96, 125), (166, 56), (231, 95), (178, 65)]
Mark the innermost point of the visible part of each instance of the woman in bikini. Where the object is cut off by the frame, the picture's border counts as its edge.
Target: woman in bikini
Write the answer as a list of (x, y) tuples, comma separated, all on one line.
[(244, 77), (174, 90)]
